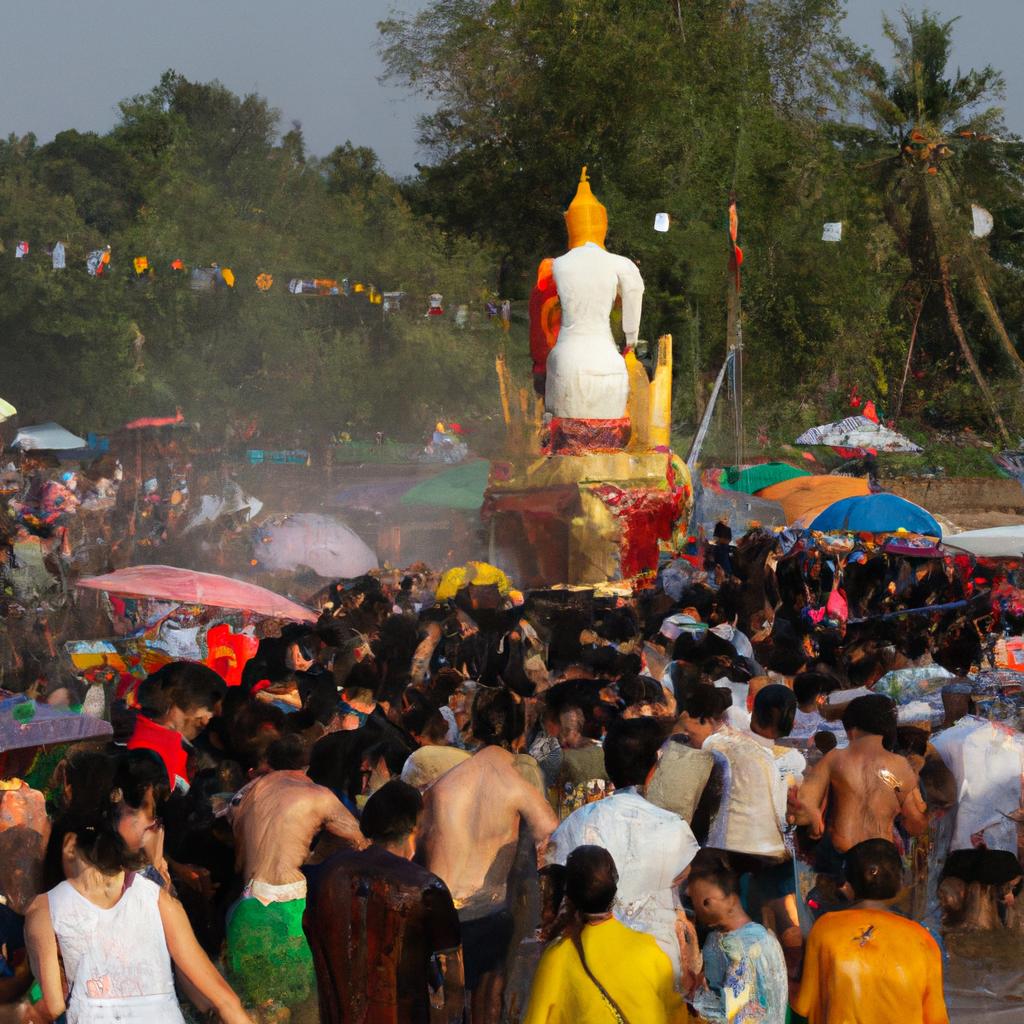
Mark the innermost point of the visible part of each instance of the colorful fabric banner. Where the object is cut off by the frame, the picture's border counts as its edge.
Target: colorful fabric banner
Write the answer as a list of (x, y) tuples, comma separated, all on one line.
[(21, 250), (97, 261)]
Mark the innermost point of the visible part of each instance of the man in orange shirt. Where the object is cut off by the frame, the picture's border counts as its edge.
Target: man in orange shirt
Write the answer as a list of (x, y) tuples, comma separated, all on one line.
[(866, 965)]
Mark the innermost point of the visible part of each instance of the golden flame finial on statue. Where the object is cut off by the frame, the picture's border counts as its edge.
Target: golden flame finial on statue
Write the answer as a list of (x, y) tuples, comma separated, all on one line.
[(586, 219)]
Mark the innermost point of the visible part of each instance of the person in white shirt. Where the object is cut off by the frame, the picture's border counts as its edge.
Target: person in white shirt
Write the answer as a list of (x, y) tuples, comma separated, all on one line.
[(652, 848)]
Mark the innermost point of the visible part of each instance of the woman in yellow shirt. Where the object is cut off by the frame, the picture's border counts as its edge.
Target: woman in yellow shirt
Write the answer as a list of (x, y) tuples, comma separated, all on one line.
[(626, 977)]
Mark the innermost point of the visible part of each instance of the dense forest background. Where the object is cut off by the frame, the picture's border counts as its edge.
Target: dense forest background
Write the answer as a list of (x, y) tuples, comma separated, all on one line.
[(672, 106)]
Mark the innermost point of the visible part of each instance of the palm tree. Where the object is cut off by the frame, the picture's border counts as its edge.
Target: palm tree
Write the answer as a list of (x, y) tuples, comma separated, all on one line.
[(943, 145)]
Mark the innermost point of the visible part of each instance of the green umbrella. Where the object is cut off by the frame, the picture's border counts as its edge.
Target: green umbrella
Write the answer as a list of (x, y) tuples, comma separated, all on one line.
[(751, 479), (460, 488)]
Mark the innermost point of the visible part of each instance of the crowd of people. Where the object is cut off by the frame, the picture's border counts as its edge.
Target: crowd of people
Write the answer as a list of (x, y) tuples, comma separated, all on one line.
[(557, 807)]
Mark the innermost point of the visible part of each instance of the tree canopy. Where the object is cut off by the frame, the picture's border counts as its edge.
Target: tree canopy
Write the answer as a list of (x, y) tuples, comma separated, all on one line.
[(672, 106)]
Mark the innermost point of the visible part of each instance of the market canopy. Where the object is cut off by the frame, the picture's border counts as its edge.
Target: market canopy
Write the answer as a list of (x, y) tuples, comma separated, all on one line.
[(858, 432), (6, 410), (996, 542), (325, 545), (876, 513), (804, 497), (26, 723), (752, 479), (186, 586), (47, 437), (459, 489)]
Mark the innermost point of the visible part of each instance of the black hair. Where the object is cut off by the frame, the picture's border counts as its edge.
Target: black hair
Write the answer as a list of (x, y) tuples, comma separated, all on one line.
[(253, 728), (708, 702), (825, 741), (287, 753), (136, 773), (807, 686), (640, 690), (415, 717), (363, 678), (591, 879), (775, 708), (715, 866), (874, 870), (444, 685), (631, 750), (90, 775), (875, 714), (98, 842), (391, 813), (498, 718), (182, 684)]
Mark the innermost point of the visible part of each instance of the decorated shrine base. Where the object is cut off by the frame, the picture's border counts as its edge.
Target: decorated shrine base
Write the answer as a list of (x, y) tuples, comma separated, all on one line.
[(583, 519)]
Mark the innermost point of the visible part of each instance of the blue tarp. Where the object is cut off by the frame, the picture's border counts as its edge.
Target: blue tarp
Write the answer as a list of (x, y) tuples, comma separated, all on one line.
[(876, 513)]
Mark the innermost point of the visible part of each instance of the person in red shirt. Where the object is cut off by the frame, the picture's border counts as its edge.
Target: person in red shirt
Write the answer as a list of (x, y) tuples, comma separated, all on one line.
[(175, 704)]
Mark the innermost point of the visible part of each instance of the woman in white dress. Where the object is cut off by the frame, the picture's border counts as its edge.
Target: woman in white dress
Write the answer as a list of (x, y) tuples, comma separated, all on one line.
[(115, 934)]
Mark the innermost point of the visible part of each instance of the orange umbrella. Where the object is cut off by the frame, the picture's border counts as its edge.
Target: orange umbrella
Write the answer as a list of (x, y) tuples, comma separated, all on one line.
[(803, 497)]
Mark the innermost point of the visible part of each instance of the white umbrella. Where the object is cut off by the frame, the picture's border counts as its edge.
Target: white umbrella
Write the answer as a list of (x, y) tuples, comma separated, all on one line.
[(321, 543), (995, 542), (858, 432), (47, 437)]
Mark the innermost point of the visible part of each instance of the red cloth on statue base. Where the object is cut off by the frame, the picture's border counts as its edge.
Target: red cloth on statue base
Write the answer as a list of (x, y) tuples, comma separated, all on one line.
[(577, 437)]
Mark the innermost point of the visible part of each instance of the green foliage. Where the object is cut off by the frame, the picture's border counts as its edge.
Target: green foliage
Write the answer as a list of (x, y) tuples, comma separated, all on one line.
[(672, 108), (192, 171)]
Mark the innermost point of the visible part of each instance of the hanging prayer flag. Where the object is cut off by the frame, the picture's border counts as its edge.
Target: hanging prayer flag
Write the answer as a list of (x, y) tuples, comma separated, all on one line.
[(141, 264), (264, 282), (661, 222), (736, 256), (21, 250), (983, 222), (97, 261), (228, 276), (832, 232), (177, 265), (59, 257)]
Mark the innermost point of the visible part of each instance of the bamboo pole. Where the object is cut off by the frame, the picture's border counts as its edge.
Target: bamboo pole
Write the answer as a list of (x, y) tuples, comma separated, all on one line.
[(954, 322)]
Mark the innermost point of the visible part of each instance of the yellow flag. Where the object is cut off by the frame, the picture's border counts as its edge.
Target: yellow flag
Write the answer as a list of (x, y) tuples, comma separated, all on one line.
[(228, 275)]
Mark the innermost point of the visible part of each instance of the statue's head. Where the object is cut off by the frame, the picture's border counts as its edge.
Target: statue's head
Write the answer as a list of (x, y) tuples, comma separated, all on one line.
[(586, 219)]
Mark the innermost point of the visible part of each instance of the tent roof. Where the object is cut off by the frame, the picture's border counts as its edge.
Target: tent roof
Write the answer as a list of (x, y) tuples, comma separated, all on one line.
[(876, 513), (751, 479), (459, 488), (995, 542), (168, 583), (47, 437), (858, 432), (804, 497)]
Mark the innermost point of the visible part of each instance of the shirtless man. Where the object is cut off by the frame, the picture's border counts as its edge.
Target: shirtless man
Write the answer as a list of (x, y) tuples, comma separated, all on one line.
[(275, 820), (867, 787), (469, 838)]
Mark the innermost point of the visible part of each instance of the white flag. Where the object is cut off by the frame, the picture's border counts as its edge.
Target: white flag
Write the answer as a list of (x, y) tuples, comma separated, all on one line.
[(833, 232), (983, 222), (661, 222)]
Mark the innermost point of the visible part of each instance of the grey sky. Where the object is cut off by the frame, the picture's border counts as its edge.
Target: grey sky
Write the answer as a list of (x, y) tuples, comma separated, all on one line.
[(66, 64)]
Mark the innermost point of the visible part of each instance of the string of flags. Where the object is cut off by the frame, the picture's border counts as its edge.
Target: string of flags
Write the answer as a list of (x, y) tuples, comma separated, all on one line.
[(214, 276)]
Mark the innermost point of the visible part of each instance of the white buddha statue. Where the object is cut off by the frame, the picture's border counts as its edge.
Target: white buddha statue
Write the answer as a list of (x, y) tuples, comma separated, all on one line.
[(586, 375)]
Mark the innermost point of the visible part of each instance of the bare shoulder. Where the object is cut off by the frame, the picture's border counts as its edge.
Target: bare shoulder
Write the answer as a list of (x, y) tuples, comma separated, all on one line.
[(39, 908)]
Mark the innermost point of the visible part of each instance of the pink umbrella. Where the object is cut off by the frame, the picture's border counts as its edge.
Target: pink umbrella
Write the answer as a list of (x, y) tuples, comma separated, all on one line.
[(167, 583)]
